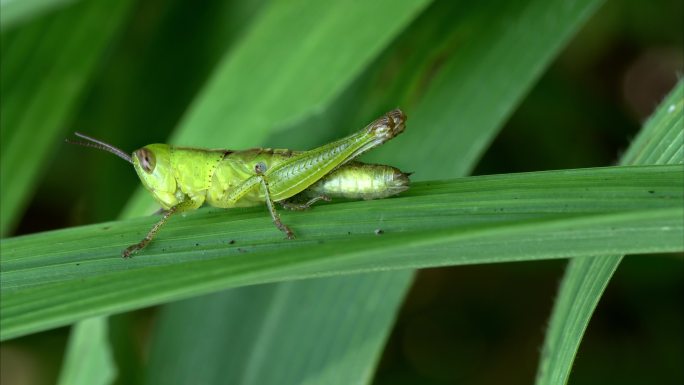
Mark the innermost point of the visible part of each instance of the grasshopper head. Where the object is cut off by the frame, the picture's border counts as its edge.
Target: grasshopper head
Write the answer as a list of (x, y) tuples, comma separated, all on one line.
[(153, 165)]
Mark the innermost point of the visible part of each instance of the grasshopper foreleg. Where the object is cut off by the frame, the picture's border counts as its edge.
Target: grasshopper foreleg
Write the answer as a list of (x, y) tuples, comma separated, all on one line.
[(188, 203), (304, 206), (130, 250)]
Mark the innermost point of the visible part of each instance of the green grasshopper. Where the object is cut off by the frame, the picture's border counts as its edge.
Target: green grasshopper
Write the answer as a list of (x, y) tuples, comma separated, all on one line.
[(183, 178)]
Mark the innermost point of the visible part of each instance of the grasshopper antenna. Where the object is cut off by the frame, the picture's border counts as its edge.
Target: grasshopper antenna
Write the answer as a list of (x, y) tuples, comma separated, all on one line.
[(94, 143)]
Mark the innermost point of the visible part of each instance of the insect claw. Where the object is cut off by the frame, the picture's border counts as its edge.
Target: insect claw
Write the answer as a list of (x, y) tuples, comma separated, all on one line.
[(128, 252)]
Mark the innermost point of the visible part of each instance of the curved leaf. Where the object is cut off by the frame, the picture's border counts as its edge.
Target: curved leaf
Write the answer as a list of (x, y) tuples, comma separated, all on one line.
[(58, 277)]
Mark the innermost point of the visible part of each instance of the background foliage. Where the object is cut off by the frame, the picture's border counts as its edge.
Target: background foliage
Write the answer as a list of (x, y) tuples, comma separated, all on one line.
[(489, 87)]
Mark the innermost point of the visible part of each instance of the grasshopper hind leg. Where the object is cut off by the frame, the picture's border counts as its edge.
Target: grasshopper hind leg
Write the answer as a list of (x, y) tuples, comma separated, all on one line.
[(296, 206)]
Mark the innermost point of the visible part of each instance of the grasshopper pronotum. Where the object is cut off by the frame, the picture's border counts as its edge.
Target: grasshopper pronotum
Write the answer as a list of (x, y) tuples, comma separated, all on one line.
[(182, 178)]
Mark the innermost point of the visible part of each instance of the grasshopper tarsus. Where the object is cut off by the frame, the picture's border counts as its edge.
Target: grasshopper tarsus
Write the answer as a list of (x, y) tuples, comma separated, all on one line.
[(281, 226), (132, 249), (128, 252)]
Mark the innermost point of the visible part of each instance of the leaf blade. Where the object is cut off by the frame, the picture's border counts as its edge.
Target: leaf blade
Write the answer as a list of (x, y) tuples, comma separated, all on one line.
[(607, 216)]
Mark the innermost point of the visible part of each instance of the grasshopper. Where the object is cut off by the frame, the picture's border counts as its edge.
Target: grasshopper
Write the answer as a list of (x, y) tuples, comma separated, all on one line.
[(184, 178)]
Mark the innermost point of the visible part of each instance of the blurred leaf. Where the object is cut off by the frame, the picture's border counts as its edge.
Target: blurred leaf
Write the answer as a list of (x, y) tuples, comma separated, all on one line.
[(250, 96), (46, 67), (259, 320), (88, 360), (499, 52), (661, 141), (55, 278), (13, 12)]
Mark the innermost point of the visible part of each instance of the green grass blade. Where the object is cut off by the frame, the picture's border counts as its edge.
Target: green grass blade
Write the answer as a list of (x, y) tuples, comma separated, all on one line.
[(659, 142), (58, 277), (46, 66), (88, 360)]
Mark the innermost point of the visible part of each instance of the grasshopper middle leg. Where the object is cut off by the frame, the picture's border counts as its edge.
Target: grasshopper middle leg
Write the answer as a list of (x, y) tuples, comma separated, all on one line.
[(259, 168)]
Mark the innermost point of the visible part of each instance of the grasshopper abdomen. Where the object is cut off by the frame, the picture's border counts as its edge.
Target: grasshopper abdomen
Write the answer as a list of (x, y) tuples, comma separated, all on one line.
[(358, 180)]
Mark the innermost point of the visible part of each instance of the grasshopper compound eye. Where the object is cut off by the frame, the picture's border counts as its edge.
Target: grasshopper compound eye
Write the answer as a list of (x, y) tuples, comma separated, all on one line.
[(147, 159)]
